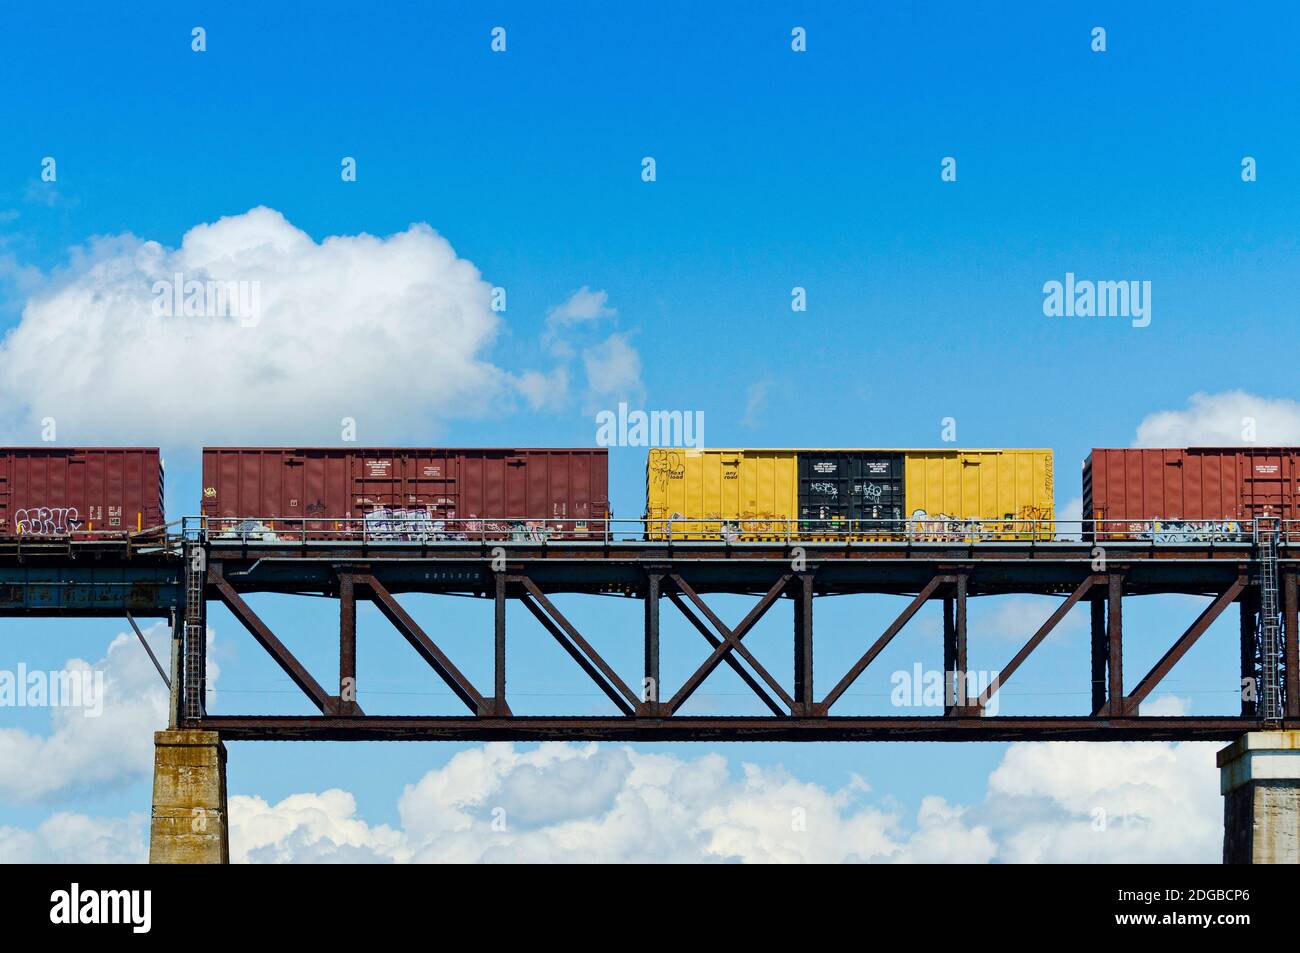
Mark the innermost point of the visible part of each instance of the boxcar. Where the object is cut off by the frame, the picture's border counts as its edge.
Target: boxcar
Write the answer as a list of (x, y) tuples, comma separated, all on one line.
[(750, 494), (1189, 494), (404, 493), (89, 492)]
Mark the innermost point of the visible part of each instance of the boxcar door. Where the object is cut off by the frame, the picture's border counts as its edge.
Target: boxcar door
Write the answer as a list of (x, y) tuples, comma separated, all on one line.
[(876, 500), (1262, 483)]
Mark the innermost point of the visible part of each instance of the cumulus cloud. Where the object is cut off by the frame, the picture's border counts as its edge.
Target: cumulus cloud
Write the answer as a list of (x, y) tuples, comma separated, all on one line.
[(578, 329), (110, 750), (1231, 418), (582, 305), (1062, 802), (384, 330), (66, 838), (266, 335), (613, 370), (565, 803), (1045, 802)]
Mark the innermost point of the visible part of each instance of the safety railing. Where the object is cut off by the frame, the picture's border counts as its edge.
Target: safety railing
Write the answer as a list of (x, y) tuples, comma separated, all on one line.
[(411, 526), (31, 538)]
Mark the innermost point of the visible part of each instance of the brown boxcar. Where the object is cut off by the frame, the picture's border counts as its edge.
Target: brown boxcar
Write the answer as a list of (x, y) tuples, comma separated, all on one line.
[(397, 494), (1192, 494), (76, 491)]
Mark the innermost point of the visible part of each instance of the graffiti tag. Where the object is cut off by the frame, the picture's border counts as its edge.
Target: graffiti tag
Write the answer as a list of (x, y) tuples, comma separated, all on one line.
[(47, 521)]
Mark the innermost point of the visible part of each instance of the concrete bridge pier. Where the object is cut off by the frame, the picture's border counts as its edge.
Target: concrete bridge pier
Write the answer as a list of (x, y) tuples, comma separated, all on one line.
[(1259, 776), (189, 824)]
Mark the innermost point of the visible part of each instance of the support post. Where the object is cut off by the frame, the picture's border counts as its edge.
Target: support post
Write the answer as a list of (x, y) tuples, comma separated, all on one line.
[(1259, 777), (957, 678), (650, 688), (178, 644), (1100, 654), (1115, 644), (949, 652), (499, 706), (347, 645), (803, 644), (189, 823), (1249, 651)]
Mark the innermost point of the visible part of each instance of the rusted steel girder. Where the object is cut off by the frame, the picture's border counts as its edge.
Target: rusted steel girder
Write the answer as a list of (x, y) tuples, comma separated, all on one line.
[(751, 728), (429, 651), (1035, 640), (1185, 642), (731, 660), (579, 648), (731, 640), (287, 661), (793, 716), (895, 627)]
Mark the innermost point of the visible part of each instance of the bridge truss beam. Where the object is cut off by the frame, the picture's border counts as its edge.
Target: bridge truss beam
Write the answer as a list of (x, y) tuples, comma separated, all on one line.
[(648, 713)]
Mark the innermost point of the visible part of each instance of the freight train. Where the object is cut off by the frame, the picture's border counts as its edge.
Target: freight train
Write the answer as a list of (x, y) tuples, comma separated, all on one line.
[(263, 493), (816, 495)]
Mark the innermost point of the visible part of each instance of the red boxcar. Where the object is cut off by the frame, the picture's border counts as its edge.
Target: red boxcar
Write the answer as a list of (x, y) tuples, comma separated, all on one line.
[(75, 491), (284, 492), (1196, 493)]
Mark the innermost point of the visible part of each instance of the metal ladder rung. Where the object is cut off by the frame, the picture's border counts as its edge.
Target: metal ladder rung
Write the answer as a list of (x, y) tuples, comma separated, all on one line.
[(1269, 705)]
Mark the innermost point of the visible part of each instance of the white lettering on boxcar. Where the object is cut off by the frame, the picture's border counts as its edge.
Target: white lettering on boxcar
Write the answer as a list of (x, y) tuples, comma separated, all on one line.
[(47, 520)]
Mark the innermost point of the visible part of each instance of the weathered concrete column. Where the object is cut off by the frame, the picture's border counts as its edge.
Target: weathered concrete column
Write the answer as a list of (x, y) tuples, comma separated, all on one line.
[(1259, 776), (189, 799)]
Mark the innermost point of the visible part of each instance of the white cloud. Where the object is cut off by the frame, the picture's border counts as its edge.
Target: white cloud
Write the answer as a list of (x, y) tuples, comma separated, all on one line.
[(1220, 420), (1063, 802), (65, 838), (582, 305), (1045, 802), (575, 329), (1016, 618), (544, 390), (563, 803), (308, 828), (613, 370), (83, 753), (384, 330)]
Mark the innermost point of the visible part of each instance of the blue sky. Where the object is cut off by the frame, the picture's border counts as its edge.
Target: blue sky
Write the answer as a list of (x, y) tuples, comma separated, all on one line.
[(775, 169)]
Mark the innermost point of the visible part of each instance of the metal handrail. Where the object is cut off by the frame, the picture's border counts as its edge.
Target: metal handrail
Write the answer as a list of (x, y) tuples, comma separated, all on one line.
[(392, 526)]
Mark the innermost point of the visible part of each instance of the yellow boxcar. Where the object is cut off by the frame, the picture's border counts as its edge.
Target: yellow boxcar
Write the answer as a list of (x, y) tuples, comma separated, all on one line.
[(988, 494), (750, 492), (765, 495)]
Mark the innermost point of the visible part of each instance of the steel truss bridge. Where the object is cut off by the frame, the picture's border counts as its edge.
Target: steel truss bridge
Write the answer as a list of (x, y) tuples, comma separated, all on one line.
[(177, 577)]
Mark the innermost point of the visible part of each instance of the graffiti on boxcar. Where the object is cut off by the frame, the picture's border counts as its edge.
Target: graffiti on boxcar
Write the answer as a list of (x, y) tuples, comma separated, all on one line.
[(873, 492), (940, 527), (665, 467), (1188, 531), (47, 520), (403, 524)]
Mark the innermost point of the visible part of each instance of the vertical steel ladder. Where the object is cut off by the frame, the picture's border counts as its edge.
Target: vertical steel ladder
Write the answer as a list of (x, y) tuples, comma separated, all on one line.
[(1270, 642), (194, 680)]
